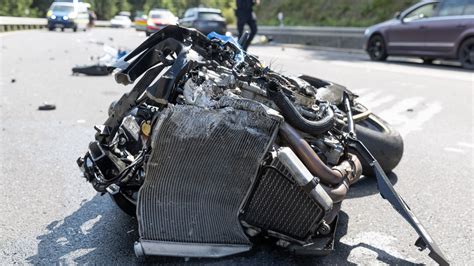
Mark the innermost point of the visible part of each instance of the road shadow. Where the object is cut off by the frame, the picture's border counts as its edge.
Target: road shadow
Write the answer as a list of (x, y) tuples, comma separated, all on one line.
[(268, 254), (98, 232), (367, 186)]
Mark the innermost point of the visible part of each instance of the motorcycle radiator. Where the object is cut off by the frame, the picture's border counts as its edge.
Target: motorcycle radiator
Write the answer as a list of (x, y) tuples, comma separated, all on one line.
[(201, 167)]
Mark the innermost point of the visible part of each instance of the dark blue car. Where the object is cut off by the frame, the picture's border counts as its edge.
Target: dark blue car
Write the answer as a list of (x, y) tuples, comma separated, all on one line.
[(68, 15)]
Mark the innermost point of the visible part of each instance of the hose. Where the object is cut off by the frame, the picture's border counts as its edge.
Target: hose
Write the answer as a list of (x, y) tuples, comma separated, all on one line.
[(292, 115)]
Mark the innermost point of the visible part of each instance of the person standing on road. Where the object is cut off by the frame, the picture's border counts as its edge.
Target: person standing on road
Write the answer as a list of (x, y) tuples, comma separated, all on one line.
[(245, 15)]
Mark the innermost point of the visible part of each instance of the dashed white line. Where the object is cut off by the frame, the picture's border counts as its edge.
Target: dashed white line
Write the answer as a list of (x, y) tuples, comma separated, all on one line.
[(423, 116), (396, 114), (380, 101), (466, 145), (454, 150)]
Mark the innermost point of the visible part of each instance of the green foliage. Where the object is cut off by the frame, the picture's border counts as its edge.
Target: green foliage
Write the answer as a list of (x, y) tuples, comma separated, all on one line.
[(16, 8), (296, 12), (329, 12)]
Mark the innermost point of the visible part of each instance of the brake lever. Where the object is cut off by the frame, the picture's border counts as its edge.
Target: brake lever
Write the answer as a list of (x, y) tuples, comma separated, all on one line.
[(388, 192)]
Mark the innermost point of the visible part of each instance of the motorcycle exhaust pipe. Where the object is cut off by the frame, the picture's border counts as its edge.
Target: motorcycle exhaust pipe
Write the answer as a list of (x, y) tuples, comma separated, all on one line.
[(309, 158), (336, 180), (304, 178)]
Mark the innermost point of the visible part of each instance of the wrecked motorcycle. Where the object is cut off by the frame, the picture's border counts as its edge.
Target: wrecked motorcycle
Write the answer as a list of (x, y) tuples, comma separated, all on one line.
[(212, 150)]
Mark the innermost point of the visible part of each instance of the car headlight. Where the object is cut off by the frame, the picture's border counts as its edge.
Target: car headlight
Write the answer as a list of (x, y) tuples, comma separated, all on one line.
[(65, 17), (149, 22), (53, 17), (367, 31)]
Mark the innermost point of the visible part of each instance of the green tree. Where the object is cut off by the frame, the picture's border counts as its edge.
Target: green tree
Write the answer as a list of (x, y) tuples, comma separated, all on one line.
[(105, 9), (123, 5), (40, 7), (16, 8)]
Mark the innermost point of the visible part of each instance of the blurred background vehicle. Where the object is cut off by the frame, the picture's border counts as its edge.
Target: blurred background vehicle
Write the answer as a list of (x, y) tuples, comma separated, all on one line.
[(206, 20), (140, 21), (158, 19), (72, 15), (125, 13), (121, 21), (430, 30)]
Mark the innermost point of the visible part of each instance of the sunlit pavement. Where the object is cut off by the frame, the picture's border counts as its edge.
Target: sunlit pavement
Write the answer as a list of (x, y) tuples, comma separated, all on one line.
[(50, 214)]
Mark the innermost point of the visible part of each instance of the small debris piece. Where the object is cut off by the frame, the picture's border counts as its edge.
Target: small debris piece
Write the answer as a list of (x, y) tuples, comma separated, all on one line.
[(13, 80), (410, 110), (47, 107)]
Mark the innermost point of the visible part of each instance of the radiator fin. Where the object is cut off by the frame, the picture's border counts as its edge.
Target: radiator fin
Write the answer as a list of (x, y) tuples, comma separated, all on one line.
[(281, 206), (199, 172)]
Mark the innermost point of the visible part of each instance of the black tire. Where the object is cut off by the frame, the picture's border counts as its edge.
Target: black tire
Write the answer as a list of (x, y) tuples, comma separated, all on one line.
[(427, 61), (125, 204), (376, 48), (74, 29), (466, 54), (382, 140), (51, 28), (62, 29)]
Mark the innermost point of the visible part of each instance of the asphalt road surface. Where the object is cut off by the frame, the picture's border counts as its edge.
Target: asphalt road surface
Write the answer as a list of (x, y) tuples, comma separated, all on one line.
[(49, 214)]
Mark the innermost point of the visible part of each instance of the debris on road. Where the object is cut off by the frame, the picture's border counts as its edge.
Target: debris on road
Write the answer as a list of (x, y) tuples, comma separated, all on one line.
[(101, 68), (13, 80), (47, 107)]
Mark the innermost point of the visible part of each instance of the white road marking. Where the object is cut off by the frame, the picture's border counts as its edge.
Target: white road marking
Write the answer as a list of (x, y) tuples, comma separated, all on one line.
[(380, 101), (466, 145), (397, 113), (423, 116), (368, 98), (454, 150)]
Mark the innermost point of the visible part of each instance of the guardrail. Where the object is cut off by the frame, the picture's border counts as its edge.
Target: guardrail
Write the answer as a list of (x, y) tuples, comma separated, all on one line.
[(16, 23), (334, 37), (21, 23)]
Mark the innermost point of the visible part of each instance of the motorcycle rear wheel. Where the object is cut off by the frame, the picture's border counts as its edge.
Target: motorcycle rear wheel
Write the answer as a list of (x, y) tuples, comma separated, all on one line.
[(383, 141)]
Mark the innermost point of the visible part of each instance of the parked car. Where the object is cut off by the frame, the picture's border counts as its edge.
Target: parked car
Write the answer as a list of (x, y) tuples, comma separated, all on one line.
[(205, 20), (68, 15), (158, 19), (140, 21), (430, 30), (121, 21)]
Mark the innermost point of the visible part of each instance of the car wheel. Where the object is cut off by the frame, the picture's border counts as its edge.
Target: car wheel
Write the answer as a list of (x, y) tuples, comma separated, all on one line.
[(51, 28), (62, 29), (466, 53), (74, 29), (376, 48), (427, 61)]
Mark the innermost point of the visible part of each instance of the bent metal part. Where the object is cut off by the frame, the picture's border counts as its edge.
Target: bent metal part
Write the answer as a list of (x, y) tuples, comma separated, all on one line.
[(211, 151)]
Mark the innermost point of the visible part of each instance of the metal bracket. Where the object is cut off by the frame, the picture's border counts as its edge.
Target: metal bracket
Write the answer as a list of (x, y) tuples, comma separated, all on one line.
[(388, 192)]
